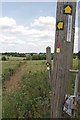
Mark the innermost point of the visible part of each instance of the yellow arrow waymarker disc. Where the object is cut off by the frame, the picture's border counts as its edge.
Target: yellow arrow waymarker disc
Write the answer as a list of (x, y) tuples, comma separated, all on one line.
[(60, 25), (68, 9), (58, 50), (47, 64)]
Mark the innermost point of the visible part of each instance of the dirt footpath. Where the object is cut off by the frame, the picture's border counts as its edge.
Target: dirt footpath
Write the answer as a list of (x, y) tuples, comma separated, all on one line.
[(13, 83)]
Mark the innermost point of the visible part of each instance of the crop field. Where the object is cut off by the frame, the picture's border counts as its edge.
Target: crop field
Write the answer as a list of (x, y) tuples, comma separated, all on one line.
[(31, 95)]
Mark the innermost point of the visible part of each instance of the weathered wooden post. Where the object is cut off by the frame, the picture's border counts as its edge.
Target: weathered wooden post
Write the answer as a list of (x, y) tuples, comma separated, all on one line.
[(63, 55), (77, 93), (0, 89), (79, 83), (48, 58), (76, 87), (78, 104)]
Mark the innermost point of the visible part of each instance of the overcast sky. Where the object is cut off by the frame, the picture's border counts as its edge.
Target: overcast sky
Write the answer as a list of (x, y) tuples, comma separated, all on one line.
[(28, 26)]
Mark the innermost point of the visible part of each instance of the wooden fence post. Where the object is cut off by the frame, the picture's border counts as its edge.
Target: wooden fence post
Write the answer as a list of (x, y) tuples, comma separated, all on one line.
[(48, 58), (78, 104)]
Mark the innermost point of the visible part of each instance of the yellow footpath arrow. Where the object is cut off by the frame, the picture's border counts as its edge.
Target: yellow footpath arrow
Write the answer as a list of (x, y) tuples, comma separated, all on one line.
[(58, 50), (68, 9), (60, 25)]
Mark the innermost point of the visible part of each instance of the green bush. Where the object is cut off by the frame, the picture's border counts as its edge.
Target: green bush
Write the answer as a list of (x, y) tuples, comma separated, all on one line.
[(4, 58)]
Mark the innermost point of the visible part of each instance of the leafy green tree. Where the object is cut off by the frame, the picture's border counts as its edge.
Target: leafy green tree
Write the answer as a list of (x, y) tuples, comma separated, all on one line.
[(4, 58)]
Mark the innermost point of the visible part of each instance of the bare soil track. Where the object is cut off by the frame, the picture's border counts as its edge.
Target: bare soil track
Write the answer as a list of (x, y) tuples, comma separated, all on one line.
[(13, 83)]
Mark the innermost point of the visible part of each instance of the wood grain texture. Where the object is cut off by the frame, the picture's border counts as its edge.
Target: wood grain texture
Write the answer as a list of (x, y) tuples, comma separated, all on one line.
[(62, 61)]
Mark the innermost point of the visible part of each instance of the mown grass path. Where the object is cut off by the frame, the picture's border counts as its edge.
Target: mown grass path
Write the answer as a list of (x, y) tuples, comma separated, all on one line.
[(13, 83)]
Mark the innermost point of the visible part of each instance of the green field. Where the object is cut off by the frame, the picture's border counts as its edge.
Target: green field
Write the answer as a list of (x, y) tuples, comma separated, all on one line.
[(8, 64), (33, 95), (32, 98), (9, 68)]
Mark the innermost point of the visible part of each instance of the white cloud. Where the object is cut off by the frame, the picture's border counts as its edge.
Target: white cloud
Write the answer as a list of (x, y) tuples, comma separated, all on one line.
[(43, 21), (17, 29), (33, 38), (7, 22)]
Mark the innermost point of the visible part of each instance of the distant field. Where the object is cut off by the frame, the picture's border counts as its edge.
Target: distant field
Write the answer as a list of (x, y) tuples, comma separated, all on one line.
[(9, 64), (10, 58), (16, 58)]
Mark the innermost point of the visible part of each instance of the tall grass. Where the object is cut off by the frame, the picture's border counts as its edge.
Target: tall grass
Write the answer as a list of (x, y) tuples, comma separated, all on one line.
[(33, 97), (9, 68)]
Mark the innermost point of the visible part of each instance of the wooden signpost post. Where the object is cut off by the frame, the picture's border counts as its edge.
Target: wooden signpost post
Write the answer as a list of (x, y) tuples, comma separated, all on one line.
[(48, 58), (64, 41)]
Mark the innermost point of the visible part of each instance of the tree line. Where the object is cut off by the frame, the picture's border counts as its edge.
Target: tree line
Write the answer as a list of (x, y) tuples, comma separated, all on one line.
[(26, 56), (32, 56)]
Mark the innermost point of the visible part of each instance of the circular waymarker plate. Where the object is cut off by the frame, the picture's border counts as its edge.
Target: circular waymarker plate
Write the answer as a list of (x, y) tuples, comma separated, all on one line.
[(48, 68)]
